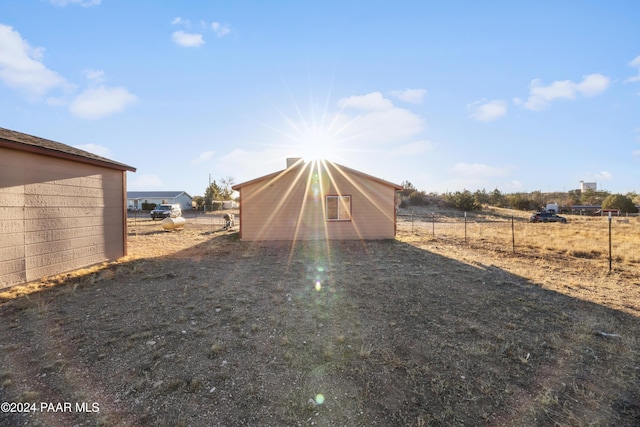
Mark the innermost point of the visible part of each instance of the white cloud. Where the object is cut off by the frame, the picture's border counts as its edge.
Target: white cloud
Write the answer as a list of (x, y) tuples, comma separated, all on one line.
[(248, 164), (100, 150), (480, 170), (412, 96), (371, 119), (486, 111), (593, 85), (384, 127), (144, 182), (370, 102), (636, 153), (634, 63), (100, 102), (194, 39), (219, 29), (514, 185), (83, 3), (179, 21), (21, 67), (187, 39), (540, 96), (94, 76), (203, 157), (476, 176), (412, 148), (604, 176)]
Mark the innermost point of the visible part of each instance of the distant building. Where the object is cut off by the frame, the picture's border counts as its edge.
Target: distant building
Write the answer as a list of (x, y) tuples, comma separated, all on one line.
[(584, 186), (135, 199)]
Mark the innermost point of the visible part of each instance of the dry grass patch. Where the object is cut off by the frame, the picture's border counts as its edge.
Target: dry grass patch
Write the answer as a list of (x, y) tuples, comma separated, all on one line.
[(200, 329)]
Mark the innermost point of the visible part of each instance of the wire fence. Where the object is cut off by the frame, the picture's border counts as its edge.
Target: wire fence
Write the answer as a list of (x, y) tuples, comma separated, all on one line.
[(603, 239)]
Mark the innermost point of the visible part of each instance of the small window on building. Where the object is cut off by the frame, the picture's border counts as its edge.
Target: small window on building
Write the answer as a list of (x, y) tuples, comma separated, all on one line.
[(338, 208)]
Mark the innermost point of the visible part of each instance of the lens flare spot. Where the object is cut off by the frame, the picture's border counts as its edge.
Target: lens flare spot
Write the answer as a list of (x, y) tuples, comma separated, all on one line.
[(319, 399), (318, 285)]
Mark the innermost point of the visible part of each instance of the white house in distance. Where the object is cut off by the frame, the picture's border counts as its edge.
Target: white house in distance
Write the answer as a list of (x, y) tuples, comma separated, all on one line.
[(584, 186), (135, 199), (61, 208), (317, 200)]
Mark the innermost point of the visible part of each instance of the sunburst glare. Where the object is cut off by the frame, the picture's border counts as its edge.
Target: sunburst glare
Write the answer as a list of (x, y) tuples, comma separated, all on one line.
[(316, 134)]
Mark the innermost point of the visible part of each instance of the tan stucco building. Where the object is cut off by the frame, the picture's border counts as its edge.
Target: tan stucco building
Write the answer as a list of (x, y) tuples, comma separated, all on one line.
[(62, 208), (317, 200)]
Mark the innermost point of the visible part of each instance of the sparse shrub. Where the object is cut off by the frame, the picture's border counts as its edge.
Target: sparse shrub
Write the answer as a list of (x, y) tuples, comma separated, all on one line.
[(587, 254), (418, 198)]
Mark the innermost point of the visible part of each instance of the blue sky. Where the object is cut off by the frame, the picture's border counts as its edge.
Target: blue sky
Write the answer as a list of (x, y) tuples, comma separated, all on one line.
[(449, 95)]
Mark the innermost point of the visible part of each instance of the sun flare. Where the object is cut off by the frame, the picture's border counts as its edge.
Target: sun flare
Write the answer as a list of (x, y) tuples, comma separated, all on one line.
[(314, 133), (317, 143)]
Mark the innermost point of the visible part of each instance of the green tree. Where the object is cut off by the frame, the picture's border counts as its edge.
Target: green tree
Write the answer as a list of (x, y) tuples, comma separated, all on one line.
[(635, 197), (574, 197), (593, 197), (199, 201), (481, 196), (463, 200), (618, 201), (521, 201), (216, 193), (537, 199), (496, 198), (212, 194)]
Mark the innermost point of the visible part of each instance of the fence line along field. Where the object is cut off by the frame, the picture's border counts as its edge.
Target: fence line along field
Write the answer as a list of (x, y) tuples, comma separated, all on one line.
[(197, 328), (581, 237)]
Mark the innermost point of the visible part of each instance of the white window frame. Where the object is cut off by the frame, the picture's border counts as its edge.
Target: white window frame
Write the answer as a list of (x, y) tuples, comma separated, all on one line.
[(341, 214)]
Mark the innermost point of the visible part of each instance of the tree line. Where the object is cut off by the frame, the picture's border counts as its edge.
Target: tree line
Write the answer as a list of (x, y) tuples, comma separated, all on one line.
[(535, 200)]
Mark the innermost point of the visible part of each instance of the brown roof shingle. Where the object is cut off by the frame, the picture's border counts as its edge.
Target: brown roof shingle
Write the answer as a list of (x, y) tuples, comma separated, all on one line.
[(34, 144)]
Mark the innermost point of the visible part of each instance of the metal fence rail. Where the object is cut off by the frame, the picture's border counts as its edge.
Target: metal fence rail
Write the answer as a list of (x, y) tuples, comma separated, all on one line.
[(596, 238)]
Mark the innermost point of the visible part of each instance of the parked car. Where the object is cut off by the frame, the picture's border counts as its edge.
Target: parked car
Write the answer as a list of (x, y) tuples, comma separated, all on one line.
[(547, 217), (166, 211)]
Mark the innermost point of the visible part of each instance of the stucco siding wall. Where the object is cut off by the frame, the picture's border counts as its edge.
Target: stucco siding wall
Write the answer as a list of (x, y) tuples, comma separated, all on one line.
[(292, 207), (60, 215)]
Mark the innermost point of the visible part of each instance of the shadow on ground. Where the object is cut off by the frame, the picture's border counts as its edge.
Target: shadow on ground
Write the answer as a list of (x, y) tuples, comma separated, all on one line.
[(343, 333)]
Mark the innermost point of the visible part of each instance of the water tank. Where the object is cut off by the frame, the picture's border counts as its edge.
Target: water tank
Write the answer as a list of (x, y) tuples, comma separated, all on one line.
[(173, 223)]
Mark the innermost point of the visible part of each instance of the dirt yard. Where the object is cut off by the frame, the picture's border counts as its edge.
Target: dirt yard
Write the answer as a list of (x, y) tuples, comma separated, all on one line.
[(195, 328)]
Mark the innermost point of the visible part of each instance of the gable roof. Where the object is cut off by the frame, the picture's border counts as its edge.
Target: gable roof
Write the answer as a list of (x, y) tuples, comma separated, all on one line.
[(323, 163), (33, 144), (155, 194)]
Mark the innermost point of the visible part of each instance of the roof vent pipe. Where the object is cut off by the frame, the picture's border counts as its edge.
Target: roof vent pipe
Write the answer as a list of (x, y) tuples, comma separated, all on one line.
[(292, 161)]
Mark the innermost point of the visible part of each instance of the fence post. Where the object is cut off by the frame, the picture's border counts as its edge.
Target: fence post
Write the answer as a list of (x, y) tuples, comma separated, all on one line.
[(513, 236), (465, 227), (433, 223), (609, 242), (412, 222)]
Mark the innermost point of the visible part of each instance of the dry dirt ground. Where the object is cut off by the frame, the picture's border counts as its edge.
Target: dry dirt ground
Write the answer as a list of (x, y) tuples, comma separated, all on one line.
[(196, 328)]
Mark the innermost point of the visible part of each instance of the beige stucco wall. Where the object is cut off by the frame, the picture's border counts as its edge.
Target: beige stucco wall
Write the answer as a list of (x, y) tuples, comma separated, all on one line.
[(57, 215), (290, 206)]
